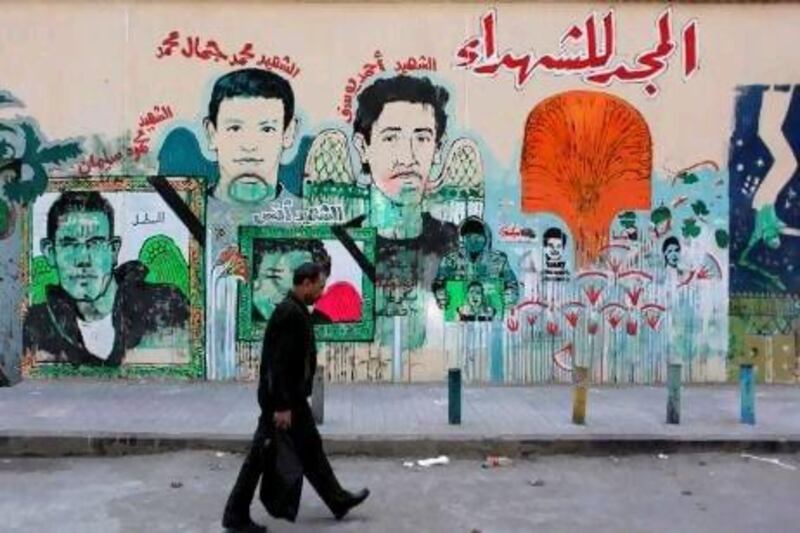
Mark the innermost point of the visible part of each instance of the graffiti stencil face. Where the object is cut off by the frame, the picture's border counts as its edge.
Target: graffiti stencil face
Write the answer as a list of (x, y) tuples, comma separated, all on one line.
[(672, 255), (554, 249), (401, 150), (475, 296), (249, 139), (474, 243), (83, 253)]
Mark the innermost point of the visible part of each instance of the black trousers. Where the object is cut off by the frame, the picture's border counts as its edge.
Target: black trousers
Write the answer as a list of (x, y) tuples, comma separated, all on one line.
[(308, 444)]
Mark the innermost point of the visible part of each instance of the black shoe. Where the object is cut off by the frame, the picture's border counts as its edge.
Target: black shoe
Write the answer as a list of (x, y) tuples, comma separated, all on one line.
[(245, 525), (349, 501)]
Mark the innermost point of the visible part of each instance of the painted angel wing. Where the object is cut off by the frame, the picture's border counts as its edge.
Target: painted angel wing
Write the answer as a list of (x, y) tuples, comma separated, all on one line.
[(462, 170), (329, 159), (42, 275), (165, 262)]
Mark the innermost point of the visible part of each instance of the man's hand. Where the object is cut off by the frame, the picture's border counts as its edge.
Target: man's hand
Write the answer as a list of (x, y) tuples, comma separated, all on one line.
[(283, 419)]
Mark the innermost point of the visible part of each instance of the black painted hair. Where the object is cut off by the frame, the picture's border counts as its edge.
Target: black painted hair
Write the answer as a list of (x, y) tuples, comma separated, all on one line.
[(252, 83), (472, 225), (78, 201), (670, 241), (400, 89), (554, 233)]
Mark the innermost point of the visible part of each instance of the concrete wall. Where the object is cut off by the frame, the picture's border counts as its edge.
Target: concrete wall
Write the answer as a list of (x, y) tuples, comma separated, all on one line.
[(525, 188)]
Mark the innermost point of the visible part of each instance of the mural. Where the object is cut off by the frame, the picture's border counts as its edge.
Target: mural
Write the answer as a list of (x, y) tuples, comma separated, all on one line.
[(12, 286), (344, 312), (765, 230), (475, 282), (26, 157), (111, 287), (250, 122), (586, 156), (513, 203)]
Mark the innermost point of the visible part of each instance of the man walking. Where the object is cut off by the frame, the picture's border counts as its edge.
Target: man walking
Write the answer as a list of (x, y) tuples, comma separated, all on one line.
[(288, 363)]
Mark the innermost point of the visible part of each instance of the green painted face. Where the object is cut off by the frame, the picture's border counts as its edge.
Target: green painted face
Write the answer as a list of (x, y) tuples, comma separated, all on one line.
[(249, 138), (84, 254), (475, 296), (274, 278), (474, 243), (250, 190)]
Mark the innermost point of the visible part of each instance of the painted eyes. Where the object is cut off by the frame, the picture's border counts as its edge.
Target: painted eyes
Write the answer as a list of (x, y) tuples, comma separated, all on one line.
[(91, 245), (236, 128), (419, 138)]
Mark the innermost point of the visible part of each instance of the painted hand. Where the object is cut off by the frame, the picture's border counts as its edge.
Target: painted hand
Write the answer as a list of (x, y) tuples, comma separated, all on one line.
[(235, 263)]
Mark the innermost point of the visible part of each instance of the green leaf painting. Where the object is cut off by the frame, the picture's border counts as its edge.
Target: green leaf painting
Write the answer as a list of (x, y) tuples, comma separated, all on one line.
[(700, 209), (690, 228), (660, 215), (722, 238)]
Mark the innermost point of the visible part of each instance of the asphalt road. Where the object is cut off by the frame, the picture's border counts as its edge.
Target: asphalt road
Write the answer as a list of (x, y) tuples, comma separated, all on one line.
[(186, 492)]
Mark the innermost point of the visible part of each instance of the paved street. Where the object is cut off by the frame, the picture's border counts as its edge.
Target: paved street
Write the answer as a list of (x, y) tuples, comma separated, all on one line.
[(186, 491)]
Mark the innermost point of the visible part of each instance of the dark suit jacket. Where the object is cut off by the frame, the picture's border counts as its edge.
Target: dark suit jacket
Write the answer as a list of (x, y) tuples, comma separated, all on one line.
[(288, 357)]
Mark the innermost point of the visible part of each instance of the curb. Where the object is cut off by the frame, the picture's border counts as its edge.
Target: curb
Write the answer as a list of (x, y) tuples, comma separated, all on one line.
[(377, 446)]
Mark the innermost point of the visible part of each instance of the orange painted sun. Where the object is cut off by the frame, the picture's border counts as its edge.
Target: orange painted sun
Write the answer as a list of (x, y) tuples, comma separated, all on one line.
[(586, 156)]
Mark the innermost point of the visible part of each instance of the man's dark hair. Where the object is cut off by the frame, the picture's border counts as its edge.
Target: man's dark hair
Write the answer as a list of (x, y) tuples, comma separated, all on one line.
[(252, 83), (400, 89), (315, 247), (554, 233), (78, 201), (307, 271), (670, 241)]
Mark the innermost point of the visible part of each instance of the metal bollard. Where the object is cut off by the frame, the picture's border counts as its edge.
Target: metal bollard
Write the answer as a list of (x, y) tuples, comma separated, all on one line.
[(318, 396), (454, 396), (579, 397), (674, 372), (748, 394)]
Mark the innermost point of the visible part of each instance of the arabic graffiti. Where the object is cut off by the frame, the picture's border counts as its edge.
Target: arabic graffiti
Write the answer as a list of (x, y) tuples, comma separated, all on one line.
[(516, 233), (285, 212), (101, 163), (145, 219), (147, 125), (415, 63), (514, 255), (171, 46), (480, 54), (368, 70)]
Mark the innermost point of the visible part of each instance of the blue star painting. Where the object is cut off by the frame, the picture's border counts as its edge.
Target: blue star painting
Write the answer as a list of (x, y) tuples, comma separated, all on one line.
[(765, 190)]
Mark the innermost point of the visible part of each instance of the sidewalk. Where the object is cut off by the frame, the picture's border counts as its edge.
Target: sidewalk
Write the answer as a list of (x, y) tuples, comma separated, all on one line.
[(68, 417)]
